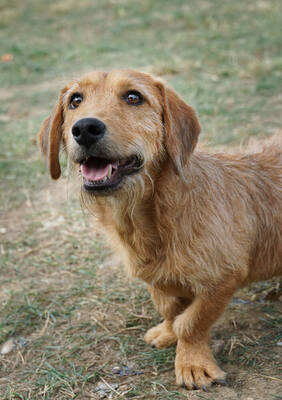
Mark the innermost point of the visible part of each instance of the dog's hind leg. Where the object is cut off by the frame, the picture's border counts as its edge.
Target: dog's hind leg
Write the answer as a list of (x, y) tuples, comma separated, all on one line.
[(162, 335)]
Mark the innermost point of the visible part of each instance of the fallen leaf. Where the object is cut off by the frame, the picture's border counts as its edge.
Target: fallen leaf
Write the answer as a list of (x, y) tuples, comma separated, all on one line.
[(5, 58)]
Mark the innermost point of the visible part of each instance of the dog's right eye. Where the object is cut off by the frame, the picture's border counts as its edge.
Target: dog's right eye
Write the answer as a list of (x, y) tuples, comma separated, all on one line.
[(134, 98), (75, 100)]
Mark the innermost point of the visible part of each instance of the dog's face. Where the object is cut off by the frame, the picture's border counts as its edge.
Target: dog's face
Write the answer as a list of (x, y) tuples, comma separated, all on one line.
[(116, 125)]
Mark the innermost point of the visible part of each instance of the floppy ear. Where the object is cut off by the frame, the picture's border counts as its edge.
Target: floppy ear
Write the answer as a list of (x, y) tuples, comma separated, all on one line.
[(50, 136), (181, 125)]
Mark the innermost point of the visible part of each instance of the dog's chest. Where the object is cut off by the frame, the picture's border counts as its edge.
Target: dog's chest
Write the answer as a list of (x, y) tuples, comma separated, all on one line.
[(147, 256), (156, 266)]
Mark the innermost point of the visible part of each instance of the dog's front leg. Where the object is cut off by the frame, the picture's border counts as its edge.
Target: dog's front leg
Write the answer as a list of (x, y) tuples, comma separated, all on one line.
[(162, 335), (195, 366)]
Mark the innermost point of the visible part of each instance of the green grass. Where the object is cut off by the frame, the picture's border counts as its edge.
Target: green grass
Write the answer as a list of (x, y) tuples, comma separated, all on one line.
[(77, 311), (224, 58)]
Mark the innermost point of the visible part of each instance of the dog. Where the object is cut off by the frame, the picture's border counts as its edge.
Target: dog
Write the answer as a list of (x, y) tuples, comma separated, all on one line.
[(194, 226)]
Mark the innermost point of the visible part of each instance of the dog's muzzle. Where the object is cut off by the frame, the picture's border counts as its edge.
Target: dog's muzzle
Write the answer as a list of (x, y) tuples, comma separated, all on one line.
[(101, 170)]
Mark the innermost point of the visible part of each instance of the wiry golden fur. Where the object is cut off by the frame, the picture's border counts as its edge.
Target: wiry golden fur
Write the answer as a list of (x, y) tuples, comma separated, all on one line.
[(195, 226)]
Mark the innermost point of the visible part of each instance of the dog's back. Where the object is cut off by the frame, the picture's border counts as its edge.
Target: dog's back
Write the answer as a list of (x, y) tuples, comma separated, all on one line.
[(259, 170), (266, 254)]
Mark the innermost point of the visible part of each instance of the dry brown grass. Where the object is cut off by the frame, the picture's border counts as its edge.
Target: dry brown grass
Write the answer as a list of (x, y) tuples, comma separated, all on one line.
[(56, 295), (81, 316)]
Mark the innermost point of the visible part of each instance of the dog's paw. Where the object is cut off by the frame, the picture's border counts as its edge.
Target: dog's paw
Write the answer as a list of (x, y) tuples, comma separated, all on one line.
[(161, 336), (195, 367)]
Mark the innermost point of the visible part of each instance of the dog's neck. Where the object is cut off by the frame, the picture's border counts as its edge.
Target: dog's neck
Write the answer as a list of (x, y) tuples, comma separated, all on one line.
[(129, 219), (137, 221)]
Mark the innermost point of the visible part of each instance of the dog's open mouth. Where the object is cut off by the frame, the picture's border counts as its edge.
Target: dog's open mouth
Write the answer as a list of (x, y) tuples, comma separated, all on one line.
[(101, 174)]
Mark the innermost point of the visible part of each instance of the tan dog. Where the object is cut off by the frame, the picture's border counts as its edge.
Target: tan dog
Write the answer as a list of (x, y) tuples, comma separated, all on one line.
[(194, 226)]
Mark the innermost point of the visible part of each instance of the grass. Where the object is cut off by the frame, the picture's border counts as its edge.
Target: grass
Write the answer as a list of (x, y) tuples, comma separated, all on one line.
[(60, 287)]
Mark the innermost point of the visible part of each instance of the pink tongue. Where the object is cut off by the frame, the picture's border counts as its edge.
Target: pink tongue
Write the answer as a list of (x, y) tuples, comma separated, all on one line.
[(94, 173)]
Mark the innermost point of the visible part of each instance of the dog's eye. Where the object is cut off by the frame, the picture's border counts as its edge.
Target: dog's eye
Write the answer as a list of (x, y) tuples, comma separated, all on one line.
[(75, 100), (134, 98)]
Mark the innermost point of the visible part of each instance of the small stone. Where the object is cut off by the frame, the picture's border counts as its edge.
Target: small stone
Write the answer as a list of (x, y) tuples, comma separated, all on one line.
[(124, 388), (114, 386), (279, 343), (116, 370), (8, 346), (126, 370), (102, 387), (21, 342)]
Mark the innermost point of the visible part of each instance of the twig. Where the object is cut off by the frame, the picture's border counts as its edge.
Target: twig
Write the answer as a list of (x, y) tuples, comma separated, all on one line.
[(131, 328), (110, 387), (161, 385), (270, 377), (100, 323), (142, 316)]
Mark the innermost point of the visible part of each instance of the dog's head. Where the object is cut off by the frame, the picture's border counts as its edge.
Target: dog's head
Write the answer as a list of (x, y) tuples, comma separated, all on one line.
[(118, 124)]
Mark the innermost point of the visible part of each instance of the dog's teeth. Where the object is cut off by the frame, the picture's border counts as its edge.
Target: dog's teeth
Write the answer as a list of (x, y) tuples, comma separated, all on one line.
[(110, 171), (102, 180)]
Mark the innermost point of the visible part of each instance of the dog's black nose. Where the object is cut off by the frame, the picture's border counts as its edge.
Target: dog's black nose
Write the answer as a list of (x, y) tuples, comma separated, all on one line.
[(87, 131)]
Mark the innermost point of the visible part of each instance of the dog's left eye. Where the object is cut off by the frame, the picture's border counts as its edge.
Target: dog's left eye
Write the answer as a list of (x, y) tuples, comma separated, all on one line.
[(134, 98)]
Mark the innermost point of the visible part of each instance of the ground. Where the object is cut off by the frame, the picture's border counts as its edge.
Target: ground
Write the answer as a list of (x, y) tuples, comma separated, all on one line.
[(71, 320)]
